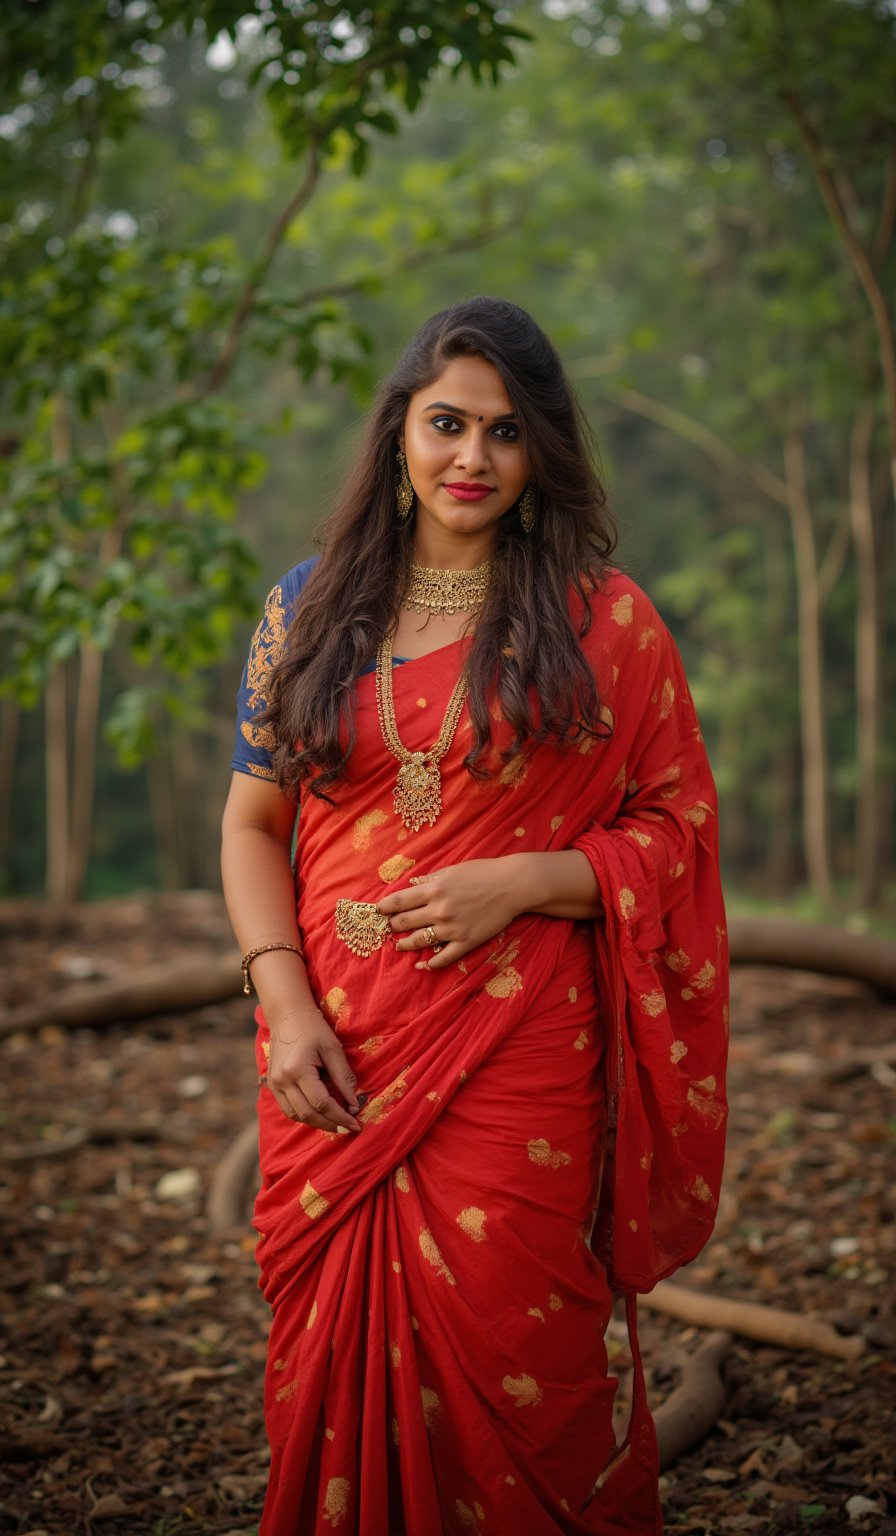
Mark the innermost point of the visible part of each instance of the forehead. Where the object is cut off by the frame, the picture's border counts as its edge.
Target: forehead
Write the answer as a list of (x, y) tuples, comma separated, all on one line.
[(470, 383)]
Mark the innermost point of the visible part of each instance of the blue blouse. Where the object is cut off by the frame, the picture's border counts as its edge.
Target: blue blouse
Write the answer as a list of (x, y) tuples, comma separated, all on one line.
[(254, 746)]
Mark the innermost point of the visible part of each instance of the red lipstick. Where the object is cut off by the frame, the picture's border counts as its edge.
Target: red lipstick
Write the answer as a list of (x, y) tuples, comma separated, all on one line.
[(469, 490)]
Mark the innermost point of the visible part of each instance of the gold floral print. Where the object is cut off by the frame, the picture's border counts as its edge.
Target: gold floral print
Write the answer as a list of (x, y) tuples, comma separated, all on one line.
[(283, 1394), (514, 772), (312, 1203), (395, 1353), (646, 637), (505, 984), (536, 1312), (677, 960), (364, 828), (336, 1006), (581, 1040), (541, 1153), (677, 1052), (431, 1252), (643, 839), (653, 1003), (335, 1506), (524, 1390), (383, 1103), (667, 699), (431, 1407), (555, 1302), (627, 904), (556, 823), (701, 1189), (622, 610), (256, 768), (402, 1181), (472, 1221), (394, 868)]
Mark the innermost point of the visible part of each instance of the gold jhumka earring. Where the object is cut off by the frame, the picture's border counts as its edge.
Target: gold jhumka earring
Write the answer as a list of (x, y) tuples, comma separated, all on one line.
[(527, 508), (404, 491)]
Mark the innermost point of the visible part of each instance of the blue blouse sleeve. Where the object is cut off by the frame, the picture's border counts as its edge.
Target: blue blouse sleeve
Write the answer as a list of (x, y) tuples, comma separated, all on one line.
[(254, 745)]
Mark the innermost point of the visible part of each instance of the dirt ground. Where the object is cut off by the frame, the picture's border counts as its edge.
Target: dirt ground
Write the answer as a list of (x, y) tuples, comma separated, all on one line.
[(133, 1338)]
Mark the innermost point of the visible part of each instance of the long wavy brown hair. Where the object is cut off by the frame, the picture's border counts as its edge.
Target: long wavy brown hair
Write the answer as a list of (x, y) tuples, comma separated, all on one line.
[(525, 647)]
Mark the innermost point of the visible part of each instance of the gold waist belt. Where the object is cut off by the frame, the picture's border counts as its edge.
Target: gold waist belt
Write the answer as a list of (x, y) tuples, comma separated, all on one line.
[(361, 927)]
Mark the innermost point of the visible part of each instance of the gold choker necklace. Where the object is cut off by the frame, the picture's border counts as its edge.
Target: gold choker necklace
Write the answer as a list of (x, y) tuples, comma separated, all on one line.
[(432, 591)]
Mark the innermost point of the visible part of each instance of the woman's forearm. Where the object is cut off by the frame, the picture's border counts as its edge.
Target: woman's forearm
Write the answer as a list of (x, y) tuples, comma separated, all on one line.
[(556, 884), (260, 894)]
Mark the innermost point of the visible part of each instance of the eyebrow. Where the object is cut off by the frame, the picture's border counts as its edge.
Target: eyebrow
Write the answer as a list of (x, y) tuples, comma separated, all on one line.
[(456, 410)]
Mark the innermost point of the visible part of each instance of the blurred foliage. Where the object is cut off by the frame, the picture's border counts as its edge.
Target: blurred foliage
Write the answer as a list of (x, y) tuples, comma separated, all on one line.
[(639, 181)]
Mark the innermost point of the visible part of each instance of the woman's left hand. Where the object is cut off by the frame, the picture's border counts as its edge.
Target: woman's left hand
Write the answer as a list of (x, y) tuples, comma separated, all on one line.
[(463, 905)]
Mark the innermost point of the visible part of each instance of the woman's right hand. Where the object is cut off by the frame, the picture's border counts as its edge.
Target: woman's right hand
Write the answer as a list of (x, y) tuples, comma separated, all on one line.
[(303, 1045)]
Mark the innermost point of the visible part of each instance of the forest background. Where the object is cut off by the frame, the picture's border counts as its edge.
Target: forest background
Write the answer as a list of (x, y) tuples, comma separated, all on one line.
[(220, 220)]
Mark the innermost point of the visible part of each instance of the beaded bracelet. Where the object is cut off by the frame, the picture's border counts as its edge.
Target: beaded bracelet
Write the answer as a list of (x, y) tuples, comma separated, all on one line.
[(263, 949)]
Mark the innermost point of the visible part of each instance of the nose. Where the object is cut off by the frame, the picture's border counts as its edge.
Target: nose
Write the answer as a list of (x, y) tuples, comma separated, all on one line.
[(473, 450)]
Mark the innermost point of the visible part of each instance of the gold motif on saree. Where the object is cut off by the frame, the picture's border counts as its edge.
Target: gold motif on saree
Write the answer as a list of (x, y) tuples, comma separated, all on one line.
[(555, 1303), (472, 1221), (678, 1051), (312, 1315), (312, 1203), (432, 1253), (402, 1182), (622, 610), (364, 828), (667, 699), (505, 984), (536, 1312), (581, 1040), (627, 903), (524, 1390), (394, 868), (382, 1103), (541, 1153), (335, 1506), (431, 1407), (653, 1003), (701, 1189), (361, 927)]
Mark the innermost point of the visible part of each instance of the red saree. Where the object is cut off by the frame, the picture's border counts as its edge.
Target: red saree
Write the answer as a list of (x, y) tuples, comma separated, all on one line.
[(545, 1123)]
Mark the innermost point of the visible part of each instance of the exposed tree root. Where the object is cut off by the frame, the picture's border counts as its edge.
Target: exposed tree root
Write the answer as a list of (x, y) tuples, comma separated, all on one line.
[(234, 1181), (688, 1415), (215, 978), (750, 1319), (95, 1133)]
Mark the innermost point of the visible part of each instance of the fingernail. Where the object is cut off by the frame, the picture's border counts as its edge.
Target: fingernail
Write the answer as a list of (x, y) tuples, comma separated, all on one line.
[(422, 965), (342, 1130)]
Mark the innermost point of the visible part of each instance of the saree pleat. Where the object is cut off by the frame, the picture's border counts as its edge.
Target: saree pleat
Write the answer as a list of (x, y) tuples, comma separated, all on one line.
[(441, 1283)]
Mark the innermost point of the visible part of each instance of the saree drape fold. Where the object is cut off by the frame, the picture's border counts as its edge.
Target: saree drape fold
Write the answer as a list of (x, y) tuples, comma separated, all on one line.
[(545, 1125)]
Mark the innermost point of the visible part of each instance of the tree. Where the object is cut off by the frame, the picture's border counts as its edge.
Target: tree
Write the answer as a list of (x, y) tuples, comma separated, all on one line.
[(126, 456)]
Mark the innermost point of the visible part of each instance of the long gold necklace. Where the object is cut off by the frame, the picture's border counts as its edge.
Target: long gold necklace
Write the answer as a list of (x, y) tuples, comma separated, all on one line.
[(418, 788), (433, 591)]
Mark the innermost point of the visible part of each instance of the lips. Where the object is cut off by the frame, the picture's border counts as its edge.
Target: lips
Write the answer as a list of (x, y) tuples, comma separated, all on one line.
[(464, 490)]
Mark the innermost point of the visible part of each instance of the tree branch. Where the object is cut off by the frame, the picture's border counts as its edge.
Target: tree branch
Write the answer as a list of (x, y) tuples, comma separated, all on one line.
[(223, 365)]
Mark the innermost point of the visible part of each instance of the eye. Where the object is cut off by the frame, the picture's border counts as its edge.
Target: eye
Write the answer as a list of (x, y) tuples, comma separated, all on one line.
[(446, 424), (508, 432)]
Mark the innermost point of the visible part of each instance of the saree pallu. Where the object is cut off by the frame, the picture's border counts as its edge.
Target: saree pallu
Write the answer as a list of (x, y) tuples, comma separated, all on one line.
[(545, 1125)]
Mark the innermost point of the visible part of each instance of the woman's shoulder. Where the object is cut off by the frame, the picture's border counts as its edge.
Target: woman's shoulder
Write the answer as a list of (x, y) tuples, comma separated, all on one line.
[(293, 582), (621, 609)]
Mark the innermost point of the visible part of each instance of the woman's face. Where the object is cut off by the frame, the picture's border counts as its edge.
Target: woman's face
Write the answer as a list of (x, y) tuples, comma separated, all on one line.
[(462, 443)]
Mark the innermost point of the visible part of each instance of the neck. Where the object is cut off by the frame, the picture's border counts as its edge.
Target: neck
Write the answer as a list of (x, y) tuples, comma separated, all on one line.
[(441, 550)]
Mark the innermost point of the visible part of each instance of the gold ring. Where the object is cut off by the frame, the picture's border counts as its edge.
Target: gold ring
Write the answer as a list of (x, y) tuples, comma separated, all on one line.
[(437, 949), (429, 936)]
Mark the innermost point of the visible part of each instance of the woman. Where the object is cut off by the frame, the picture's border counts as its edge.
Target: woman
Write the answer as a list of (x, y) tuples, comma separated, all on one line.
[(493, 1012)]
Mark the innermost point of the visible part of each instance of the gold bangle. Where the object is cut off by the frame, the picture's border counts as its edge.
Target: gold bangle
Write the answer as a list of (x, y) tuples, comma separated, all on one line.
[(263, 949)]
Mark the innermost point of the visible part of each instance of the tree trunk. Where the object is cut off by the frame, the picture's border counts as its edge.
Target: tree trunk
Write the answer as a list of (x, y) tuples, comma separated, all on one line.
[(87, 713), (57, 786), (867, 660), (816, 794), (9, 741), (169, 855)]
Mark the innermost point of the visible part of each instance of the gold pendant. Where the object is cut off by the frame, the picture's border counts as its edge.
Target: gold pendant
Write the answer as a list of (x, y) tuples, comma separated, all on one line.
[(361, 927), (418, 792)]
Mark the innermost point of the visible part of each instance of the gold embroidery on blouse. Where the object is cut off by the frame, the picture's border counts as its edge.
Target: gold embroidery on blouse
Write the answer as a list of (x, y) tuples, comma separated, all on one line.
[(524, 1390), (256, 768), (264, 653)]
